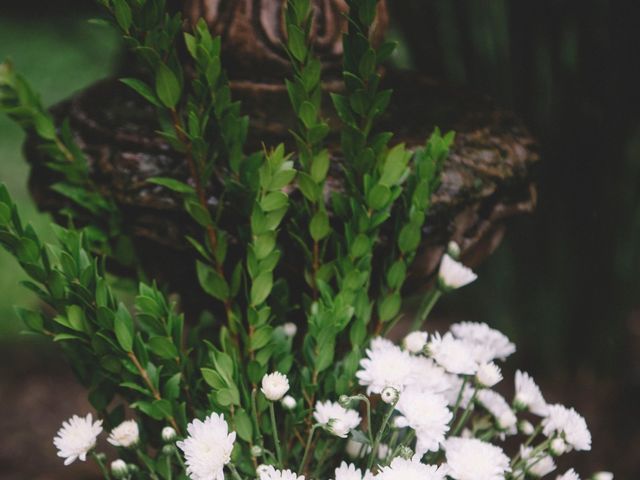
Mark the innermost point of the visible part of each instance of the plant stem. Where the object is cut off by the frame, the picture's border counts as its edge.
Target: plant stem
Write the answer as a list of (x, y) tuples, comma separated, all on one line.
[(303, 463), (425, 308), (465, 415), (103, 468), (274, 426), (459, 398), (234, 472), (169, 472), (383, 427)]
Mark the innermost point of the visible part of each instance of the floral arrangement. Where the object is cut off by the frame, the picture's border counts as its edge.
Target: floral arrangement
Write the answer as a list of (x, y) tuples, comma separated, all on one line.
[(270, 381)]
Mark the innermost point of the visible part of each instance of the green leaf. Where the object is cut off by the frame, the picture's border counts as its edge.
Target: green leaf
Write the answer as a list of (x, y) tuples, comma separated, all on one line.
[(309, 188), (172, 184), (261, 288), (167, 86), (274, 201), (143, 89), (243, 425), (122, 12), (319, 226), (163, 347), (212, 282), (307, 114), (171, 390), (5, 214), (264, 244), (297, 42), (320, 166), (260, 337), (409, 238), (198, 213), (379, 197), (75, 317), (123, 326), (32, 320), (44, 126), (389, 307), (213, 378)]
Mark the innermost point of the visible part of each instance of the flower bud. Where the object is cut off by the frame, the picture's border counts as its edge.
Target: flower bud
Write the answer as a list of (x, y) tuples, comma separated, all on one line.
[(168, 434), (168, 449), (405, 452), (290, 329), (101, 457), (525, 427), (488, 375), (355, 449), (256, 451), (262, 469), (274, 386), (415, 341), (119, 469), (337, 427), (453, 249), (389, 395), (125, 435), (558, 447), (288, 402), (507, 420), (344, 401), (602, 476)]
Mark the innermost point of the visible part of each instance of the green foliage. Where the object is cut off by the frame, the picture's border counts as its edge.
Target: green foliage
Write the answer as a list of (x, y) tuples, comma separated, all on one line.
[(354, 247)]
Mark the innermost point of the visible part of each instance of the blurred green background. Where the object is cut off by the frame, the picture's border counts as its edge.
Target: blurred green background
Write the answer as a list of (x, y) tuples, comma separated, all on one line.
[(565, 282)]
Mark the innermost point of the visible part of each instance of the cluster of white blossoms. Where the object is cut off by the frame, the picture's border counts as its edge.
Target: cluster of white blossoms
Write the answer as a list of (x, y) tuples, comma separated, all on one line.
[(428, 412)]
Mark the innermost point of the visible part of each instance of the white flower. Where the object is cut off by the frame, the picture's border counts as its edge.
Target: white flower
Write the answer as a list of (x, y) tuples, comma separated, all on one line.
[(350, 472), (270, 473), (274, 386), (569, 424), (125, 435), (569, 475), (473, 459), (415, 341), (487, 343), (290, 329), (288, 402), (386, 365), (389, 395), (452, 354), (335, 418), (453, 274), (402, 469), (452, 393), (427, 375), (262, 469), (528, 395), (168, 434), (497, 406), (208, 447), (488, 375), (427, 414), (538, 466), (119, 468), (602, 476), (77, 437)]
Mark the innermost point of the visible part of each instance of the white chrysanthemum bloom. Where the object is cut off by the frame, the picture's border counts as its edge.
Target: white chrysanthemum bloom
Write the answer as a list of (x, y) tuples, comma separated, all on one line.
[(290, 329), (602, 476), (262, 469), (569, 475), (386, 365), (538, 465), (119, 468), (207, 449), (415, 341), (270, 473), (274, 386), (427, 375), (335, 418), (288, 402), (348, 471), (473, 459), (168, 434), (77, 437), (497, 406), (487, 344), (403, 469), (452, 354), (125, 435), (426, 413), (453, 274), (488, 375), (528, 395), (569, 424)]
